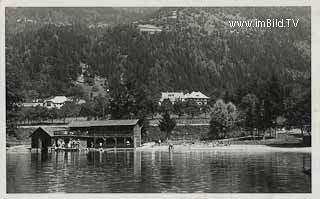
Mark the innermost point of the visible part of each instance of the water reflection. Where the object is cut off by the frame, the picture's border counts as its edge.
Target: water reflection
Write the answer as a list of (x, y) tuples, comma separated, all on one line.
[(134, 171), (137, 163)]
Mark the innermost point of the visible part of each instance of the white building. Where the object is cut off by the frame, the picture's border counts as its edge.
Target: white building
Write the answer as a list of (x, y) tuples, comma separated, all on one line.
[(30, 104), (198, 97), (56, 102), (172, 96), (149, 28)]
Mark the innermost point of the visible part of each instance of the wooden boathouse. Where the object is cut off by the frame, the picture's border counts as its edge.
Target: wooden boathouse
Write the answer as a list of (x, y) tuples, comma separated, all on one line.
[(90, 134)]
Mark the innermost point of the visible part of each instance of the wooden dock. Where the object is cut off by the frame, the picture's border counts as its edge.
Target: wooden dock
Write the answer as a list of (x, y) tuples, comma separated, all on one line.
[(66, 149)]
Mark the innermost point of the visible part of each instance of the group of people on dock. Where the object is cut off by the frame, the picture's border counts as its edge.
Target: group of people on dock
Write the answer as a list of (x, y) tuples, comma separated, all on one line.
[(70, 144)]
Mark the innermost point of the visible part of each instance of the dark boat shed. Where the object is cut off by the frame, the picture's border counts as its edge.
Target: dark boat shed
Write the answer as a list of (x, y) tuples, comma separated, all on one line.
[(90, 134), (42, 137)]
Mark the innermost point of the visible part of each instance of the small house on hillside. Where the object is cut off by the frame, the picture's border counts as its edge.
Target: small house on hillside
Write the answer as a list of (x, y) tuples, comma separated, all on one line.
[(59, 101), (151, 29), (56, 102), (53, 102)]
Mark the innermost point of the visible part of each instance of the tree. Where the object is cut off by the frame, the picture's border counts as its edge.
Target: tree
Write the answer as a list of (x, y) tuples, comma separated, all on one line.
[(167, 124), (223, 119), (101, 106), (166, 106), (13, 92), (217, 121), (87, 110), (121, 101), (178, 108), (129, 99), (192, 108), (228, 96), (144, 123), (205, 108), (95, 88), (53, 114), (76, 92), (38, 113), (298, 108), (249, 106), (44, 113), (69, 109), (152, 107), (27, 114), (232, 115), (273, 102)]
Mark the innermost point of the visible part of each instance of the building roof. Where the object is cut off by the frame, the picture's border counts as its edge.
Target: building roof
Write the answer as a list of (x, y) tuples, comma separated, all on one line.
[(195, 95), (50, 130), (59, 99), (180, 95), (103, 123), (31, 104), (149, 27), (166, 95)]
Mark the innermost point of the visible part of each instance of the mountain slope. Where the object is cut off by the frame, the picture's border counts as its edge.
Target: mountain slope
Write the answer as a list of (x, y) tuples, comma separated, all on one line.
[(197, 51)]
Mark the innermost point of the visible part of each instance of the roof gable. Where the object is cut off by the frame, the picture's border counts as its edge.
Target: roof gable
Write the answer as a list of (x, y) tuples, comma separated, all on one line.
[(49, 130), (198, 95), (59, 99)]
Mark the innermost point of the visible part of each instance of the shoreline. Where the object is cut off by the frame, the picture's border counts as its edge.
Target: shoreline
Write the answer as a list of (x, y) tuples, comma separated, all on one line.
[(230, 148), (197, 148)]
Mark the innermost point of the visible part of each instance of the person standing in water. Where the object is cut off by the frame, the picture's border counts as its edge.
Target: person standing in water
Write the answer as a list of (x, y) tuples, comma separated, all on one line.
[(170, 147)]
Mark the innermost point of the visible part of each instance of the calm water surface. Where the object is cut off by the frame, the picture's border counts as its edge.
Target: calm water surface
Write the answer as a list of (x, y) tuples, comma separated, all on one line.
[(129, 171)]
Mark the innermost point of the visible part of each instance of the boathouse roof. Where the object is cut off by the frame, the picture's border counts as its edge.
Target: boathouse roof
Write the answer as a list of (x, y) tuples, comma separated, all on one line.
[(103, 123), (50, 130)]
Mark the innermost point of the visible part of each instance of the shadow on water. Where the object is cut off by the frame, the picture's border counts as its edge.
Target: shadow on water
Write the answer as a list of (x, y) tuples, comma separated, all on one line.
[(40, 157), (116, 160), (167, 169), (288, 145)]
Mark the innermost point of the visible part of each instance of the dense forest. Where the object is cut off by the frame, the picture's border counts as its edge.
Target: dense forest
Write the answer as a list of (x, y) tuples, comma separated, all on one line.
[(258, 70)]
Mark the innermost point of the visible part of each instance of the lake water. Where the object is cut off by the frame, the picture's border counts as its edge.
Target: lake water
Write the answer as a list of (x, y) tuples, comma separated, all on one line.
[(178, 172)]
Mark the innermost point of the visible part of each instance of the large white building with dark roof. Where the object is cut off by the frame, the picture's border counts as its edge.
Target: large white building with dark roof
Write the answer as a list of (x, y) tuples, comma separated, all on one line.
[(197, 97)]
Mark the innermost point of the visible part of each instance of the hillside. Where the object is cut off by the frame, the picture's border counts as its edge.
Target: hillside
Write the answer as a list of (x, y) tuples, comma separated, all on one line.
[(17, 19), (197, 51)]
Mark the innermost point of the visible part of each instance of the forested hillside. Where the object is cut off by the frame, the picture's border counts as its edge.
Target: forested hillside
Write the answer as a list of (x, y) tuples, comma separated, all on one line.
[(196, 51)]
